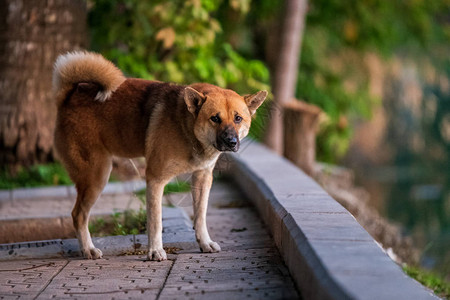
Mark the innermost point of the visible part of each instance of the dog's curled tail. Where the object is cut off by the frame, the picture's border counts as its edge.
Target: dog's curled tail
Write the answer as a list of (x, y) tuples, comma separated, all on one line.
[(82, 66)]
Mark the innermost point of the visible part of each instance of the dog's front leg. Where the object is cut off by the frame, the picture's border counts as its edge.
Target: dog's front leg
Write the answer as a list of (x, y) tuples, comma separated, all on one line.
[(155, 191), (201, 184)]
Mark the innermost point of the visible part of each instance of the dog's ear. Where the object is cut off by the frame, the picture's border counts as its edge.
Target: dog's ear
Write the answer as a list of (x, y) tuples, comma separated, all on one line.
[(194, 100), (254, 101)]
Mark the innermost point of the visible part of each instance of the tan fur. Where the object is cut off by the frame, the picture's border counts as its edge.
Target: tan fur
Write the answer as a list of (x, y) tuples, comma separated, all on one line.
[(175, 127), (78, 66)]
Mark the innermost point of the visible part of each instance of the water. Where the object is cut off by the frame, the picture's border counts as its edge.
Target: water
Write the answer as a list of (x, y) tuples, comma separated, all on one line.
[(411, 187), (419, 201)]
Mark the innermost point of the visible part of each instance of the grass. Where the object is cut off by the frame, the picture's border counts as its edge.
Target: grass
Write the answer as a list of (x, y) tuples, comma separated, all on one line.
[(37, 175), (128, 222), (170, 188), (437, 283), (132, 221), (50, 174), (177, 187)]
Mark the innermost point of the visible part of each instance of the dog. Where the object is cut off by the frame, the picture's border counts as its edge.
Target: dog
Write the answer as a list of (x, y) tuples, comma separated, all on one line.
[(177, 128)]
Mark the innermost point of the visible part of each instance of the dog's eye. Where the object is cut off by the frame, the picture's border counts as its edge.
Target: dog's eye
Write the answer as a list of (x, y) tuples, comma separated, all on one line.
[(215, 119), (237, 119)]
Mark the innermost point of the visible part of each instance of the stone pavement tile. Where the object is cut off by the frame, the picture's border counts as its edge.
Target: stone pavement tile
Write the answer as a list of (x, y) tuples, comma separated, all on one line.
[(62, 206), (36, 208), (238, 228), (25, 279), (107, 204), (42, 192), (5, 196), (176, 225), (248, 267), (124, 187), (140, 293), (221, 195), (177, 233), (240, 293), (179, 199), (182, 239), (173, 213), (110, 245), (233, 217), (70, 191), (26, 250), (119, 277), (222, 189), (254, 273), (133, 185), (252, 243)]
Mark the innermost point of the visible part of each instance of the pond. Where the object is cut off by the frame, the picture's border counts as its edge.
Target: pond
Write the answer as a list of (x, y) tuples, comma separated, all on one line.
[(411, 185), (419, 201)]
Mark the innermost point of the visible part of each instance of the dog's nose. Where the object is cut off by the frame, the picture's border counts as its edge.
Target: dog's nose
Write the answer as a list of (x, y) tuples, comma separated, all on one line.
[(231, 141)]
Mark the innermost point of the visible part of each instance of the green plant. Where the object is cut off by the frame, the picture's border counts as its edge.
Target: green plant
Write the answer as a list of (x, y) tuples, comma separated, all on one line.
[(437, 283), (337, 38), (120, 223), (177, 41), (34, 176), (177, 186), (132, 221)]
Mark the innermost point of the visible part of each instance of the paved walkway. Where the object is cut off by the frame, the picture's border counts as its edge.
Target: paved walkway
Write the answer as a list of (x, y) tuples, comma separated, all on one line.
[(249, 265), (48, 210)]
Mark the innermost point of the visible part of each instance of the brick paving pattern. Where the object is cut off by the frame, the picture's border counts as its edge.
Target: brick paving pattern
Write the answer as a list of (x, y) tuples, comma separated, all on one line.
[(249, 266)]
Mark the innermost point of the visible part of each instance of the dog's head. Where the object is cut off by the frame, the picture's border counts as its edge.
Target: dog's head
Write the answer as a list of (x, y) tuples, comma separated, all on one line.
[(222, 117)]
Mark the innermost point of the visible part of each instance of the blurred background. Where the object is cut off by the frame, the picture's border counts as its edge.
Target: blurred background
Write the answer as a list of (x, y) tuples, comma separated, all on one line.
[(378, 69)]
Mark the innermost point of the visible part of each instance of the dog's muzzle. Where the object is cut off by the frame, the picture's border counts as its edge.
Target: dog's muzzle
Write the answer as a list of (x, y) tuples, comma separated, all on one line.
[(228, 140)]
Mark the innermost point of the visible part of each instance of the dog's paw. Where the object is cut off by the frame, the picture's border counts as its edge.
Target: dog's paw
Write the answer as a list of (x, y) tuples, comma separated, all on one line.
[(209, 247), (92, 253), (157, 254)]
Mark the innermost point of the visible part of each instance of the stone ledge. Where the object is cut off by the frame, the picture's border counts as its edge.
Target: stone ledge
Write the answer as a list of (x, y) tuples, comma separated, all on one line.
[(68, 191), (329, 255)]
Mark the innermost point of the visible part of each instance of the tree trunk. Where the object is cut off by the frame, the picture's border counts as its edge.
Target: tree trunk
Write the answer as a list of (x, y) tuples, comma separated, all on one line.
[(32, 34), (300, 127), (286, 68)]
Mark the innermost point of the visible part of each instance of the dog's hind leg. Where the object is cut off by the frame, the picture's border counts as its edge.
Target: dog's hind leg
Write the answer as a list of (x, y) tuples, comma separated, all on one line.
[(89, 181), (201, 185)]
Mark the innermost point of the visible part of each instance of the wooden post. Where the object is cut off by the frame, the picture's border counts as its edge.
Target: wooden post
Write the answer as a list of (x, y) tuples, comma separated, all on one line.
[(284, 79), (300, 127)]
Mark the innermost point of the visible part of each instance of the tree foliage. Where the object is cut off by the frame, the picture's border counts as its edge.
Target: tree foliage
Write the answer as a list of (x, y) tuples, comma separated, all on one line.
[(224, 42), (177, 41), (339, 34)]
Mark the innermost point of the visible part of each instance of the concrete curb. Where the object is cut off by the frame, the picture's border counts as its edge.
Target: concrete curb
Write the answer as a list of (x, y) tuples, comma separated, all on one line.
[(329, 255), (177, 232), (68, 191)]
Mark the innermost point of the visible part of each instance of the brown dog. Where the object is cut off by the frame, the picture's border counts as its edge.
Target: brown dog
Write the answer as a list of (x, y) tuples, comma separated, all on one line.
[(179, 129)]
